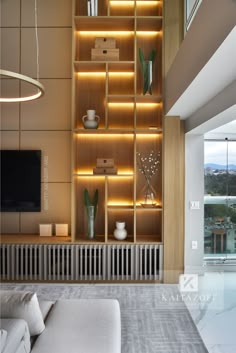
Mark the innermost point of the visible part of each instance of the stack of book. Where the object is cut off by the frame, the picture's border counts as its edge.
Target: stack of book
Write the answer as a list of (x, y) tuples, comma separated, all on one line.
[(105, 166), (92, 7)]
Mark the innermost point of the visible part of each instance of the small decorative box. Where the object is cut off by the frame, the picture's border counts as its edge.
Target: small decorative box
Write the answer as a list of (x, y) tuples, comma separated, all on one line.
[(105, 54), (105, 162), (105, 171), (45, 230), (105, 43), (61, 230)]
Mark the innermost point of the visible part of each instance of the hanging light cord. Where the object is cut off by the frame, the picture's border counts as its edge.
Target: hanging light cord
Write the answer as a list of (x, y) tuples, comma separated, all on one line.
[(36, 36), (24, 78)]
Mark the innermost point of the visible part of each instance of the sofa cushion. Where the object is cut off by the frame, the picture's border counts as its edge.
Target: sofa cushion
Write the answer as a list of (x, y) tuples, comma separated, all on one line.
[(45, 307), (18, 337), (22, 305), (84, 325)]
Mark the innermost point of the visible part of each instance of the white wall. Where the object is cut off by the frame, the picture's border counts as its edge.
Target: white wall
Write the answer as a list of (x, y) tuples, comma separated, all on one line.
[(214, 21), (194, 191)]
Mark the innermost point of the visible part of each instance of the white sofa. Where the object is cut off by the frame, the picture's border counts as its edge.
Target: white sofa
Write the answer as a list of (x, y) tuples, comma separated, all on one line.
[(15, 336), (71, 326)]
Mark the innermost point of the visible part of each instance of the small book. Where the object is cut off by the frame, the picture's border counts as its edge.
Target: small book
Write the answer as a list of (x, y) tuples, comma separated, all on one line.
[(95, 7), (92, 7), (89, 7)]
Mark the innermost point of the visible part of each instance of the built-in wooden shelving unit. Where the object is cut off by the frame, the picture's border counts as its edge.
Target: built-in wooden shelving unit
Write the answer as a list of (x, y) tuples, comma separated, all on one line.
[(130, 122)]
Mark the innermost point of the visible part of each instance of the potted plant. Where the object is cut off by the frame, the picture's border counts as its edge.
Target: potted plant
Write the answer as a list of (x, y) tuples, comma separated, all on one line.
[(146, 66)]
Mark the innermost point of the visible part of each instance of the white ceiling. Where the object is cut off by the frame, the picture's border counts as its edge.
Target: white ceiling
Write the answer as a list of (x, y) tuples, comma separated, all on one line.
[(226, 129), (218, 73)]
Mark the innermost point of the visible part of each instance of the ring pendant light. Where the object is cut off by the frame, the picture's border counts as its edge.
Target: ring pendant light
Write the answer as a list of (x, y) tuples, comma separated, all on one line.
[(23, 78)]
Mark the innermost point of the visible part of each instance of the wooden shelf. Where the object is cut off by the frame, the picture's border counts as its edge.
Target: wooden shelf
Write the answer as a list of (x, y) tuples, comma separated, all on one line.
[(33, 239), (151, 208), (105, 23), (98, 131), (89, 66), (129, 121), (36, 239), (123, 208), (82, 239)]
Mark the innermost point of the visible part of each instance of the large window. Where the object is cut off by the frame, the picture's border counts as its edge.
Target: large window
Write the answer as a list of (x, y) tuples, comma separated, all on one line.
[(220, 199)]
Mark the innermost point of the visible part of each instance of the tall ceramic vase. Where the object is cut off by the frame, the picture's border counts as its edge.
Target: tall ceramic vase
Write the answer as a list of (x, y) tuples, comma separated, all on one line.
[(90, 222)]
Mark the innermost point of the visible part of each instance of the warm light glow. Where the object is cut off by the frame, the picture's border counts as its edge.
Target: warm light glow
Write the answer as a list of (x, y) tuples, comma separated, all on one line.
[(105, 33), (157, 206), (148, 105), (131, 3), (124, 174), (118, 74), (95, 177), (117, 33), (148, 136), (121, 105), (153, 128), (122, 3), (148, 33), (102, 74), (87, 74), (131, 105), (84, 172), (147, 3), (115, 203), (103, 136)]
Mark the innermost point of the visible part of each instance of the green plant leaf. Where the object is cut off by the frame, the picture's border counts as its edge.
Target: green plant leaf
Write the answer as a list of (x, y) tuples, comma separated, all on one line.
[(150, 89), (142, 60), (87, 201), (152, 55)]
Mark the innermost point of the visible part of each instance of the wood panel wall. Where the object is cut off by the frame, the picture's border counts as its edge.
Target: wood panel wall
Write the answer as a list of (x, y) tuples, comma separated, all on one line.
[(173, 30), (43, 124), (173, 195)]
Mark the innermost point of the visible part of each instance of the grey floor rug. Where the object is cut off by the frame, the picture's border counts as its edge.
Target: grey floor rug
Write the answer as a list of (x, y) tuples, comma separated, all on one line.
[(154, 318)]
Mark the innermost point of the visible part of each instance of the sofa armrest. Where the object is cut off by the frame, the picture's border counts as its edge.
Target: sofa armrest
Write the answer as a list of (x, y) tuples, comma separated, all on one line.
[(17, 335)]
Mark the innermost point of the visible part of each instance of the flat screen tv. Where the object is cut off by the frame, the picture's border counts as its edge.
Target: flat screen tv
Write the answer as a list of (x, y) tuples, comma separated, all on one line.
[(20, 181)]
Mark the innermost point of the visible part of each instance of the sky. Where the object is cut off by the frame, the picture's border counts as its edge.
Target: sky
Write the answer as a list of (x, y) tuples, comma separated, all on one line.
[(216, 151)]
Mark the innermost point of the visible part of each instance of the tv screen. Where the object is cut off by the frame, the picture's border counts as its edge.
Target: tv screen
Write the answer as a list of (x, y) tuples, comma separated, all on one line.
[(20, 181)]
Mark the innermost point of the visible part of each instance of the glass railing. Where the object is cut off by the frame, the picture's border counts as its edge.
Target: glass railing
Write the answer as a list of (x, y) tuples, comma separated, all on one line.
[(220, 201)]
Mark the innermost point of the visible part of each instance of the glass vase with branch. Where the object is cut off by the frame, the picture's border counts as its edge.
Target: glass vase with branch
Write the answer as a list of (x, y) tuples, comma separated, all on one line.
[(148, 166)]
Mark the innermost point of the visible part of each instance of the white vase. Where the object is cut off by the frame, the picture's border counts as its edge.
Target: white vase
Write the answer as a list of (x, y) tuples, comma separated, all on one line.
[(120, 233)]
